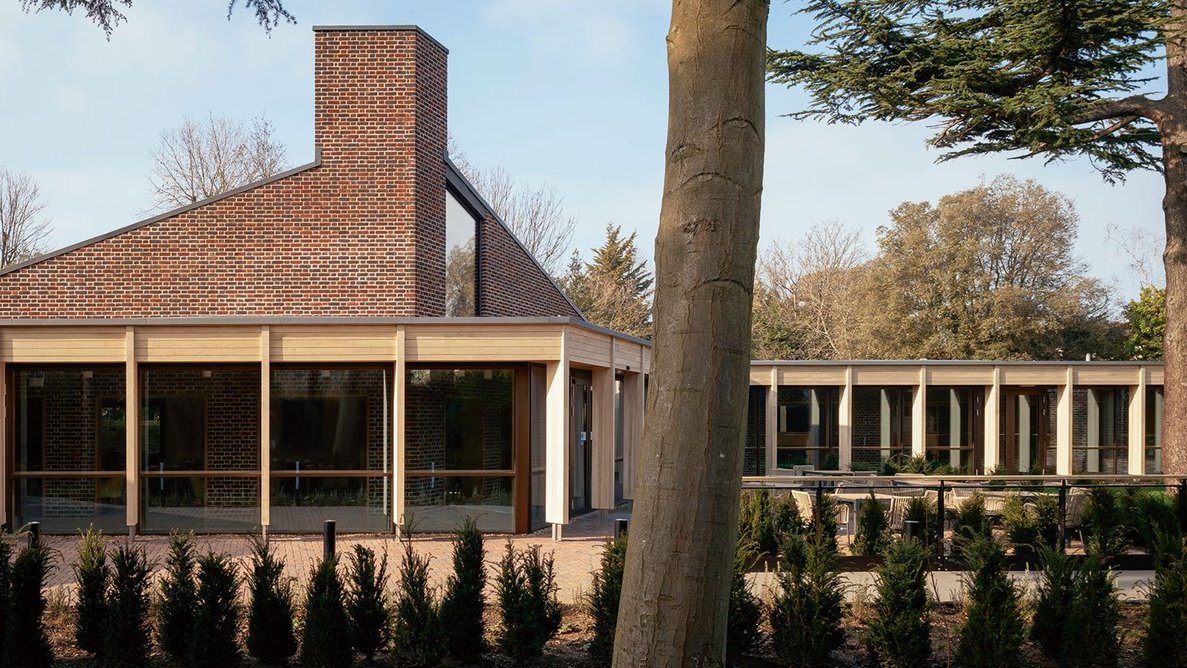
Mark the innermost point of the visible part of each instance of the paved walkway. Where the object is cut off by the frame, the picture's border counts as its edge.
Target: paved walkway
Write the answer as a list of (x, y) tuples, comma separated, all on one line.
[(577, 556)]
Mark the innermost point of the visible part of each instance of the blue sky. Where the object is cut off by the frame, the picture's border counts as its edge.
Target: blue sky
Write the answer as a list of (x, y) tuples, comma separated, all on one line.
[(570, 94)]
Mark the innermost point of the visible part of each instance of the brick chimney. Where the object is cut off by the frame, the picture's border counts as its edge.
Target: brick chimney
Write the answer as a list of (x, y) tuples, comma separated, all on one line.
[(380, 123)]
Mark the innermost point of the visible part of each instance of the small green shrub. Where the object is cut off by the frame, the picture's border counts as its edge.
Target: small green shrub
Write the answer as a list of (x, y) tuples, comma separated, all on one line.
[(126, 631), (1090, 636), (756, 523), (745, 611), (270, 635), (899, 634), (1165, 639), (992, 633), (1151, 513), (177, 601), (871, 527), (1031, 526), (970, 522), (216, 616), (1053, 603), (1105, 530), (603, 598), (366, 602), (922, 510), (806, 613), (92, 574), (27, 644), (325, 638), (788, 521), (526, 588), (824, 521), (417, 637), (464, 603)]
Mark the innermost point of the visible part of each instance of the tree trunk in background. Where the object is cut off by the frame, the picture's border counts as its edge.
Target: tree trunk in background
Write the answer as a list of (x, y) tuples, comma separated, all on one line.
[(1173, 127), (685, 521)]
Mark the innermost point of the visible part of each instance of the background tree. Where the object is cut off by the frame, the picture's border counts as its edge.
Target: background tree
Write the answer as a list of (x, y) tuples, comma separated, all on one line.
[(195, 161), (614, 288), (1145, 319), (536, 215), (676, 587), (804, 295), (986, 273), (106, 15), (1029, 77), (23, 227)]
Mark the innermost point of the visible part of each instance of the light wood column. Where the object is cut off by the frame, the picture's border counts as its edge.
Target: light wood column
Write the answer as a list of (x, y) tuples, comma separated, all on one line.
[(919, 416), (845, 422), (991, 448), (632, 429), (399, 422), (556, 448), (6, 486), (602, 475), (265, 427), (1063, 425), (771, 426), (131, 430), (1136, 461)]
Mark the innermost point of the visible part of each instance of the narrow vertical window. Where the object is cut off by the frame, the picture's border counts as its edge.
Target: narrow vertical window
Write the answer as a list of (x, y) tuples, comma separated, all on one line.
[(461, 260)]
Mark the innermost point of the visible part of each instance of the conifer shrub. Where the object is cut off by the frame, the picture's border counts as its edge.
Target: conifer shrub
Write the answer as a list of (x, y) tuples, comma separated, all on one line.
[(1151, 513), (824, 521), (270, 636), (325, 637), (806, 614), (5, 587), (603, 599), (26, 642), (126, 631), (525, 588), (970, 521), (1165, 639), (745, 611), (923, 510), (788, 521), (92, 575), (871, 527), (464, 603), (992, 632), (418, 638), (1104, 524), (756, 523), (177, 599), (1053, 602), (1030, 526), (216, 616), (899, 635), (366, 602), (1091, 635)]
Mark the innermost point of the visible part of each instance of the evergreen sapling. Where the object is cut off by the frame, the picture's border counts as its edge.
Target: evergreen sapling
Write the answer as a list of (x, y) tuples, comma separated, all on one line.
[(806, 614), (464, 603), (366, 602), (27, 644), (216, 617), (126, 631), (270, 636), (325, 638), (92, 575), (604, 595), (177, 599), (418, 638)]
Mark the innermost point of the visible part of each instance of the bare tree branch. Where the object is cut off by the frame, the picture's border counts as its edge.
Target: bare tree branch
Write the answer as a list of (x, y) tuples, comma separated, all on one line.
[(23, 228), (196, 161), (103, 13)]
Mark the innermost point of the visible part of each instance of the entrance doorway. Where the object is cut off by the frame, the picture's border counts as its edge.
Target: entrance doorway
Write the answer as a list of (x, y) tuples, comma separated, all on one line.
[(1024, 436), (580, 442)]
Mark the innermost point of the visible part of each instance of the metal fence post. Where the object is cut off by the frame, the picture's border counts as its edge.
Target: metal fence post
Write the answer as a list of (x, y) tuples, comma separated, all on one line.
[(1183, 504), (1062, 515), (329, 537), (940, 522), (818, 511)]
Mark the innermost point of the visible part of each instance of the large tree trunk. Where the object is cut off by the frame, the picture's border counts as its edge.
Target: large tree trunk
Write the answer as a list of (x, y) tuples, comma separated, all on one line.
[(685, 522), (1173, 127)]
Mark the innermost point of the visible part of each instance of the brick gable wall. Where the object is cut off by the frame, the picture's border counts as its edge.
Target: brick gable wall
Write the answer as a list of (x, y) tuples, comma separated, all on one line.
[(360, 234), (510, 282)]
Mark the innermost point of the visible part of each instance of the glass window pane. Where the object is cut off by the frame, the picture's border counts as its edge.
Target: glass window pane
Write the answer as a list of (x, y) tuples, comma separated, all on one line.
[(200, 419), (460, 260), (302, 503), (69, 505), (460, 419), (1153, 463), (330, 419), (881, 425), (68, 418), (205, 504), (439, 504)]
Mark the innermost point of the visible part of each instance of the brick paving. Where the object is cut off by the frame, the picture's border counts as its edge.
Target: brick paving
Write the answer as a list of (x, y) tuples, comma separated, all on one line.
[(577, 554)]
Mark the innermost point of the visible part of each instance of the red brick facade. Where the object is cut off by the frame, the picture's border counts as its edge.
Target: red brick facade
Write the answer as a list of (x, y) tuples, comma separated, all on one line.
[(360, 233)]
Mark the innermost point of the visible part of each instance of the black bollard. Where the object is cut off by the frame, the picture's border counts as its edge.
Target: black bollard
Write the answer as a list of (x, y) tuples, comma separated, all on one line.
[(911, 529), (34, 533), (329, 537), (620, 526)]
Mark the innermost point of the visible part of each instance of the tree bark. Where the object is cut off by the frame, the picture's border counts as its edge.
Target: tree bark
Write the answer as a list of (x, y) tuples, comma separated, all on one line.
[(1173, 127), (685, 522)]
